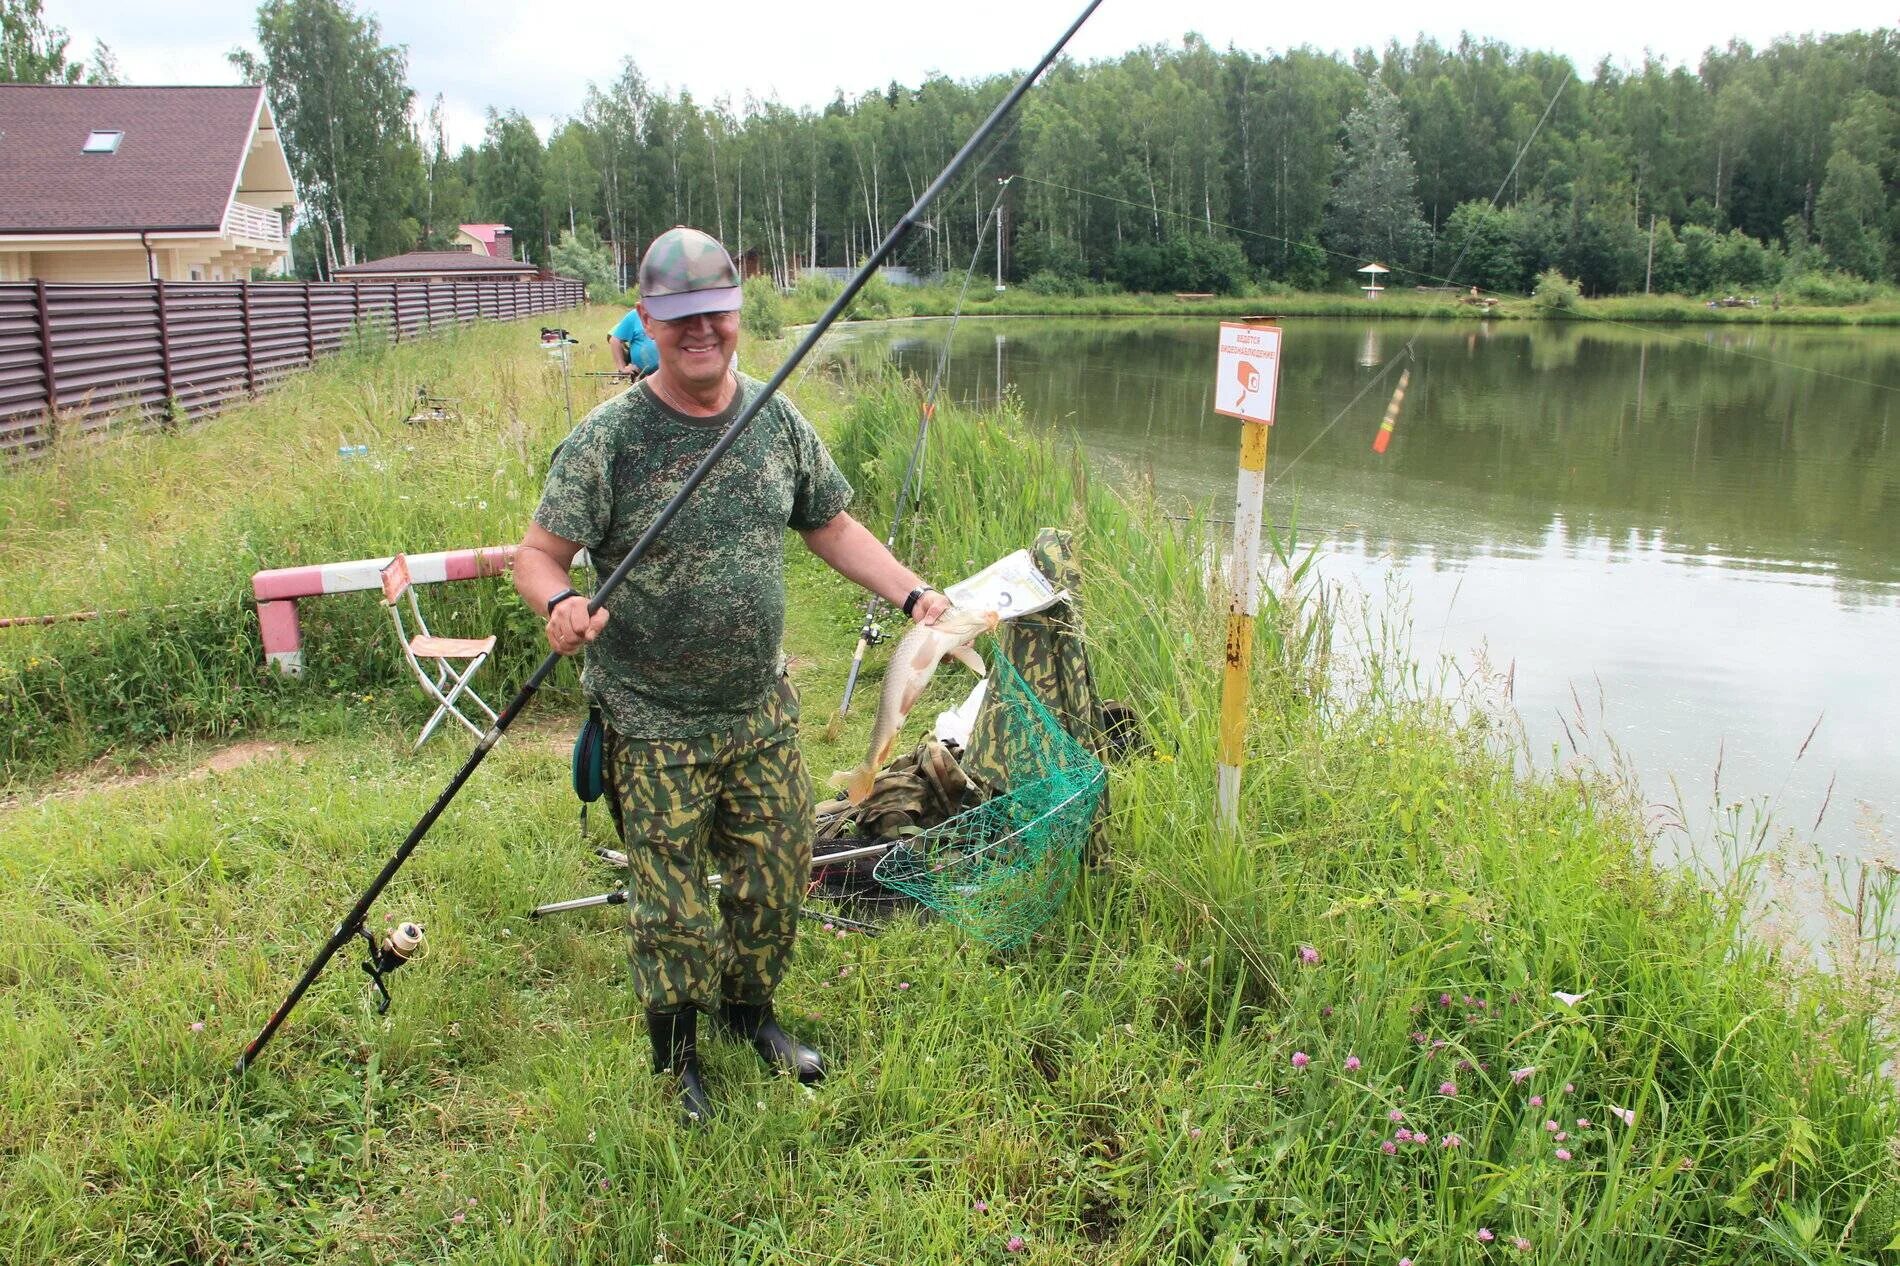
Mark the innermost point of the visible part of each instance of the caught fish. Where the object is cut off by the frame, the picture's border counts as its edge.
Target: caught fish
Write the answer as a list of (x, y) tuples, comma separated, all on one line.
[(912, 665)]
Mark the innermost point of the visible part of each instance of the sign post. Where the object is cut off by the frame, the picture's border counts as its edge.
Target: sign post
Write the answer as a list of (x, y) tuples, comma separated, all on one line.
[(1246, 384)]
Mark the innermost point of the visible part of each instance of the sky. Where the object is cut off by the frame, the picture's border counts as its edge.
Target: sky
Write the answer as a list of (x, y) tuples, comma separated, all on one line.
[(515, 55)]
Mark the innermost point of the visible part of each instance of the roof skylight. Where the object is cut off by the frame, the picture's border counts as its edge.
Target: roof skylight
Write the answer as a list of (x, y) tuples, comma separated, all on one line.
[(102, 141)]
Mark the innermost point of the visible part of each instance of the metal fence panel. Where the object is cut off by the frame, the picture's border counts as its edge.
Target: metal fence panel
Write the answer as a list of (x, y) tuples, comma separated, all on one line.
[(205, 340), (147, 353), (108, 353)]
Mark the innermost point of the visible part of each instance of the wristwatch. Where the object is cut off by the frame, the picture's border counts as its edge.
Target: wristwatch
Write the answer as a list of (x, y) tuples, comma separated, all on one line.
[(561, 597), (916, 595)]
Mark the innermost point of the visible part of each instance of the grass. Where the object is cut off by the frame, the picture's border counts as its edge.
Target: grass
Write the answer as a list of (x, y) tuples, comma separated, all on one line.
[(809, 300), (1129, 1088)]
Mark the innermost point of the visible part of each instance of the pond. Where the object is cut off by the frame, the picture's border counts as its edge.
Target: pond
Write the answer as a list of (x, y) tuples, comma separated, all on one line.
[(1681, 544)]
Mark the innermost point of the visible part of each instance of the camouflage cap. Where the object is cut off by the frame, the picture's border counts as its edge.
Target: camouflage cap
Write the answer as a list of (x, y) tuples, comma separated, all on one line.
[(686, 272)]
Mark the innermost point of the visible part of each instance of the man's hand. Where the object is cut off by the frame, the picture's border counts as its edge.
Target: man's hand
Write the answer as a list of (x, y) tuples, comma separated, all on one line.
[(929, 607), (570, 627)]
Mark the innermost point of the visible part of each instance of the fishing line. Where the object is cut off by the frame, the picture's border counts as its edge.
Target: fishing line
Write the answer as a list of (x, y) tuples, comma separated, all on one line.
[(1149, 209), (1406, 352), (1413, 272)]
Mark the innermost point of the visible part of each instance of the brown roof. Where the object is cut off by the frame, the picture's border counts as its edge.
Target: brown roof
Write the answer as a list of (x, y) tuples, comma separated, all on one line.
[(437, 262), (175, 169)]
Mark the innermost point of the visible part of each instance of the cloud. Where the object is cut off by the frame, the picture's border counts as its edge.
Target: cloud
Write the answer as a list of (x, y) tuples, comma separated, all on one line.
[(539, 59)]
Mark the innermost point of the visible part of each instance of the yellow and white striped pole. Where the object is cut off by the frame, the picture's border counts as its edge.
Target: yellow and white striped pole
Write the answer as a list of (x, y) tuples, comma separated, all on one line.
[(1243, 605), (1248, 376)]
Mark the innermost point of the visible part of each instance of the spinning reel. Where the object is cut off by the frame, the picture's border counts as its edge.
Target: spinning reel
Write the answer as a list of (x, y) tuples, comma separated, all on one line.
[(399, 944)]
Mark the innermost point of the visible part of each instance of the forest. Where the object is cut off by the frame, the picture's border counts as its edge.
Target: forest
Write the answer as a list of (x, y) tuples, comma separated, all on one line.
[(1168, 168)]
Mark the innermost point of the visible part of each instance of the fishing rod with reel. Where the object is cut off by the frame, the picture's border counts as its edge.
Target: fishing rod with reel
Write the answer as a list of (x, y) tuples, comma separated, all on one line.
[(870, 632), (351, 925)]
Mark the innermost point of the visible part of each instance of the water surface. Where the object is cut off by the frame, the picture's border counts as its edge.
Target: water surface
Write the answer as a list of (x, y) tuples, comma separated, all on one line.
[(1693, 533)]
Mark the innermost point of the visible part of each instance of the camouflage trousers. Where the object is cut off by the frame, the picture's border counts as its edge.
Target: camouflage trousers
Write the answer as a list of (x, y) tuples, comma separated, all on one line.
[(735, 802)]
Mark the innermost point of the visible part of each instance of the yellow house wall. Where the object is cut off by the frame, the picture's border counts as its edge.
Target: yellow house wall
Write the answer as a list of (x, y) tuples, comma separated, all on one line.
[(117, 265), (214, 259)]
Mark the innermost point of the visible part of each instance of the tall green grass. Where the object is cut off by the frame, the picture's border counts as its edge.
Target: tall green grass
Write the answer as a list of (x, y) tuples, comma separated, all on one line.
[(1447, 899), (172, 525), (1197, 1061)]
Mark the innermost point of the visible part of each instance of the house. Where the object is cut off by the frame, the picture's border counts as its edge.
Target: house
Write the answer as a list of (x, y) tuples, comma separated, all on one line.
[(438, 266), (497, 241), (140, 184)]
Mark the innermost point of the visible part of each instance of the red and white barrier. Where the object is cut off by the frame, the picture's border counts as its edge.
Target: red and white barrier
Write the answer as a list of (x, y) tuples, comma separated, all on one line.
[(278, 590)]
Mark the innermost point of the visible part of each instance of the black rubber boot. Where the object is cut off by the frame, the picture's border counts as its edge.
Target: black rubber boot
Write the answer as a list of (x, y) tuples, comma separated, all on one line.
[(676, 1050), (756, 1024)]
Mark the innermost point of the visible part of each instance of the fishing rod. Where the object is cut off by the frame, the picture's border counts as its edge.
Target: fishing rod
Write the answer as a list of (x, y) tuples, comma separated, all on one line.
[(869, 634), (353, 922)]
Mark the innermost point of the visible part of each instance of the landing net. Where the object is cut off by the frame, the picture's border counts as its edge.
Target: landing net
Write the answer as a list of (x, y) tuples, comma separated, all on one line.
[(999, 871)]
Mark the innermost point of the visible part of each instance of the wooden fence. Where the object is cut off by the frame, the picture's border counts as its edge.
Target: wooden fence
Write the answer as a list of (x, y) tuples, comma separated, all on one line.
[(160, 352)]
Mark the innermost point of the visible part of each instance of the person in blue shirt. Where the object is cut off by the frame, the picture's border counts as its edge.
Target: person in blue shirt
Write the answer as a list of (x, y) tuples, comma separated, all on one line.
[(634, 352)]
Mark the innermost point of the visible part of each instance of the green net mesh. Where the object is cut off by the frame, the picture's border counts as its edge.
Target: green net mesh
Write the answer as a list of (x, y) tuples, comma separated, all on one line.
[(1000, 870)]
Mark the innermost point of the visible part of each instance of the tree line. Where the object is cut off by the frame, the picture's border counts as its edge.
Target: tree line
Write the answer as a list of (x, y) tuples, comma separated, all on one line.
[(1167, 168)]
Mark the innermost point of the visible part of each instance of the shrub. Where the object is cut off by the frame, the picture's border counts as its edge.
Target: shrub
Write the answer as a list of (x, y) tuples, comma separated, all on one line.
[(1058, 285), (877, 299), (763, 315), (1555, 292), (1831, 288), (816, 288), (1190, 262), (581, 254)]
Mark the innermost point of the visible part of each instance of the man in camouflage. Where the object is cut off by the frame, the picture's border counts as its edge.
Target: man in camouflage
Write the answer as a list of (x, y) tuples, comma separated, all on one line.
[(703, 766)]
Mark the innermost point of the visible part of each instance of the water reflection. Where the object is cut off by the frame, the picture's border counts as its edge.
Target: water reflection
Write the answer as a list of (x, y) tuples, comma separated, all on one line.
[(1705, 521)]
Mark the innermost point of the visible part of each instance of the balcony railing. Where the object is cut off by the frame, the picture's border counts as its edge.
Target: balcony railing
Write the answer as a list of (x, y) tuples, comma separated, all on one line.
[(255, 223)]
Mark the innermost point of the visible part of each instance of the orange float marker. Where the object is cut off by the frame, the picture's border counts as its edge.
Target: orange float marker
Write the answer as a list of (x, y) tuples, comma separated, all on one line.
[(1384, 437)]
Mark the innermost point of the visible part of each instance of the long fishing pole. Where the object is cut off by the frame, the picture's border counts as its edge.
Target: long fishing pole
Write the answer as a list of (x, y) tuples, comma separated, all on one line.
[(868, 633), (352, 925)]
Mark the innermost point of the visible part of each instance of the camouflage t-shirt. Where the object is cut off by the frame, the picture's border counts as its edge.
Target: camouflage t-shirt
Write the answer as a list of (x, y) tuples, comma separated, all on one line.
[(692, 638)]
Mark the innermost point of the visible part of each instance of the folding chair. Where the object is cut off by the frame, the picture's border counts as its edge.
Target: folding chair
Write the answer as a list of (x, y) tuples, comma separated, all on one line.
[(447, 685)]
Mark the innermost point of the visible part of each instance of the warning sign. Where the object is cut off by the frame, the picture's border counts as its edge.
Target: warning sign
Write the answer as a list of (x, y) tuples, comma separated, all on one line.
[(1248, 376)]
